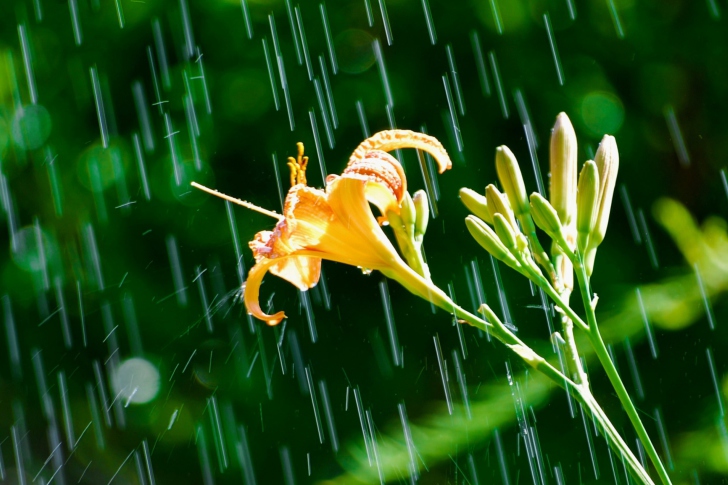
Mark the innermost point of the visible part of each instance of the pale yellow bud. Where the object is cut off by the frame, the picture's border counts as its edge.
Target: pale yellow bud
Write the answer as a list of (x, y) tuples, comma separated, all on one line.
[(607, 160), (476, 203), (509, 174), (563, 169), (422, 210)]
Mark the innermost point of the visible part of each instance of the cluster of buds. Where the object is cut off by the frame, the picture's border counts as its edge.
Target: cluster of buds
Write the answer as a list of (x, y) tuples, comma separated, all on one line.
[(512, 238), (409, 227), (575, 218)]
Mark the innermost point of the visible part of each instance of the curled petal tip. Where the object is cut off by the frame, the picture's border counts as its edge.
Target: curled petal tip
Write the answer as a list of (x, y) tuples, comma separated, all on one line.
[(275, 319), (389, 140)]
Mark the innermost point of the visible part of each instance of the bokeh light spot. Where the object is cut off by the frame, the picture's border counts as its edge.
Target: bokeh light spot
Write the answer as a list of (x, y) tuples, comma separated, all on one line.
[(136, 381), (31, 126), (354, 51), (246, 94), (602, 113), (27, 255), (99, 167)]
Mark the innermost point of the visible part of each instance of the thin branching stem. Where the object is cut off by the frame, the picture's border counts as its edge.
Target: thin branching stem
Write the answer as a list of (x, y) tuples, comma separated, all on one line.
[(580, 392), (601, 350)]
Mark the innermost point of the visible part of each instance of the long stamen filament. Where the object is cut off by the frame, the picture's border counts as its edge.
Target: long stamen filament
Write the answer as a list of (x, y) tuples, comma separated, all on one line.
[(243, 203)]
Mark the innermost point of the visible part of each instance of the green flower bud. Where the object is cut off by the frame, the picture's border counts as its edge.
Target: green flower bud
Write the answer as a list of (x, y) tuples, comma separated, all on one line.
[(505, 232), (489, 240), (587, 204), (422, 209), (563, 169), (476, 203), (544, 215), (498, 204), (408, 212), (509, 174)]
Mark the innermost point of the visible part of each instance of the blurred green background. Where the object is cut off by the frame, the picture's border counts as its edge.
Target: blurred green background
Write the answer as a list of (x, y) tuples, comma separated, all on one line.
[(126, 357)]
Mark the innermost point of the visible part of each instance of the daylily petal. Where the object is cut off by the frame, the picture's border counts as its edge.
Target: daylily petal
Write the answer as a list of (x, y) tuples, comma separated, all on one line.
[(338, 224), (307, 215), (302, 272), (252, 292), (394, 139), (348, 198), (380, 167)]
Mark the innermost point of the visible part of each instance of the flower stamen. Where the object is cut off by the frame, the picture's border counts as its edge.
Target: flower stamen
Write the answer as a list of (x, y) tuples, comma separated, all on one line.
[(298, 167)]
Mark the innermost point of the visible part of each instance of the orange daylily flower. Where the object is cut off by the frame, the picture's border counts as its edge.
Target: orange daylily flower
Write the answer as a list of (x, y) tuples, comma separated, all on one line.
[(337, 223)]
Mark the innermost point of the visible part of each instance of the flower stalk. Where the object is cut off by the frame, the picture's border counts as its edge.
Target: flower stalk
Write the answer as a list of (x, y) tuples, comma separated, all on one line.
[(337, 224), (575, 219)]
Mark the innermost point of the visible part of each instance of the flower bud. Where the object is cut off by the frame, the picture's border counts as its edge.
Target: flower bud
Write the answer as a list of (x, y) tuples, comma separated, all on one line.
[(422, 210), (498, 204), (587, 203), (563, 169), (607, 160), (407, 211), (509, 174), (476, 203), (505, 232), (544, 215), (489, 240)]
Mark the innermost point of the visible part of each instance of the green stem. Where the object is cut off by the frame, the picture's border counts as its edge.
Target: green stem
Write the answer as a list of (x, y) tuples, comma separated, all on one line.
[(425, 289), (572, 353), (603, 355), (580, 392), (538, 252), (567, 327), (544, 284)]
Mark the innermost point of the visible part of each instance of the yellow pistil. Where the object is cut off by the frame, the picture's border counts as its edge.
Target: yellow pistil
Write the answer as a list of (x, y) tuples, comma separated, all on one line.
[(298, 167)]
